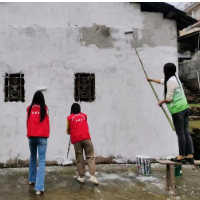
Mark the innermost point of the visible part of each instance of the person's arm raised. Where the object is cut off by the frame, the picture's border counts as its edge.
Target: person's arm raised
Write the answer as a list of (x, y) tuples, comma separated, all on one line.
[(154, 80)]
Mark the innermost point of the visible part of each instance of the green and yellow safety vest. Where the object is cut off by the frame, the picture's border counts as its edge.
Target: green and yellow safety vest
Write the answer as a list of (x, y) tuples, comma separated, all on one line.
[(179, 101)]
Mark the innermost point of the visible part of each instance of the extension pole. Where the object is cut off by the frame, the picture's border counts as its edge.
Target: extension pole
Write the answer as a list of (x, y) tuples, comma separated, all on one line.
[(68, 147), (170, 122)]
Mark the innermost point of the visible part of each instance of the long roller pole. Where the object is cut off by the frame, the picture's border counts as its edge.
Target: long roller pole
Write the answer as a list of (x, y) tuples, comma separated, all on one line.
[(170, 122)]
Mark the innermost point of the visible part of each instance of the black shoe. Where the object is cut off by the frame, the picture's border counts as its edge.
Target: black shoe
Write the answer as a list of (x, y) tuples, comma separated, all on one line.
[(190, 160), (178, 160)]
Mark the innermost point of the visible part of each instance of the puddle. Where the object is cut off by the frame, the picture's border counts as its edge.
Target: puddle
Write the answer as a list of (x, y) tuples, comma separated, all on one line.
[(116, 182), (146, 178)]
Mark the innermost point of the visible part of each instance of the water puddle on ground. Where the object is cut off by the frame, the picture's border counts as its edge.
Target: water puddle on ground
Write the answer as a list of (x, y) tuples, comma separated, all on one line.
[(116, 182)]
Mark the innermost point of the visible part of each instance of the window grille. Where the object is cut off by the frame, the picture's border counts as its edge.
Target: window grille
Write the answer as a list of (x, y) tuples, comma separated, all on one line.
[(84, 87), (14, 87)]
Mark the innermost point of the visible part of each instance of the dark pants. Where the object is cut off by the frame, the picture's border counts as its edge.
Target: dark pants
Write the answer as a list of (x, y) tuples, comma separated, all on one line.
[(181, 123)]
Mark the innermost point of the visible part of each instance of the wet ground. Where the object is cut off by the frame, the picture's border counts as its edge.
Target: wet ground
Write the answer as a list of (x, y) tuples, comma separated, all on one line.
[(117, 182)]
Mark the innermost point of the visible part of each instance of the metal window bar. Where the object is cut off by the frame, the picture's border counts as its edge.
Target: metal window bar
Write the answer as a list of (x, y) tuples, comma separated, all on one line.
[(14, 87), (84, 87)]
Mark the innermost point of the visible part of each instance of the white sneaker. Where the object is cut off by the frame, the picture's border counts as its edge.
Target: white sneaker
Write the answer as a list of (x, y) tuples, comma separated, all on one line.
[(82, 180), (38, 192), (94, 180)]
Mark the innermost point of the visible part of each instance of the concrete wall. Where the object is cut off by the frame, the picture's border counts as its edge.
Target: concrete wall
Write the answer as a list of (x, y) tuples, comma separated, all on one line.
[(188, 72), (49, 42)]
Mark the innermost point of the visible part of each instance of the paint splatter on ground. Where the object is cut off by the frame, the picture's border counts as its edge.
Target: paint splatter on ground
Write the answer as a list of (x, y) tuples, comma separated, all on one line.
[(117, 182)]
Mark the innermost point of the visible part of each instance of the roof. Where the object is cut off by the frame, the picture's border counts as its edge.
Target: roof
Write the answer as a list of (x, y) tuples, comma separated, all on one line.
[(169, 12), (182, 57), (188, 35), (191, 7), (196, 25)]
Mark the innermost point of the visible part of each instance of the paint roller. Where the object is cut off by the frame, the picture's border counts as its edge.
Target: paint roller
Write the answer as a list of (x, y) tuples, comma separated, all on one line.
[(131, 32), (41, 89), (68, 162)]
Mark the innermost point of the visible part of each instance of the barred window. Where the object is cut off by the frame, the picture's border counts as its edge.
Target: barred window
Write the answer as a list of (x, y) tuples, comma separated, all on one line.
[(84, 87), (14, 87)]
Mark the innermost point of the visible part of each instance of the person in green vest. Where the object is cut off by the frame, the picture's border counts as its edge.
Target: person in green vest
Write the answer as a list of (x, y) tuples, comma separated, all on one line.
[(177, 104)]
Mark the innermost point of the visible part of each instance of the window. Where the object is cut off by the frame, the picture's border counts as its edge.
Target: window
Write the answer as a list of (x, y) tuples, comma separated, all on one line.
[(14, 87), (84, 86)]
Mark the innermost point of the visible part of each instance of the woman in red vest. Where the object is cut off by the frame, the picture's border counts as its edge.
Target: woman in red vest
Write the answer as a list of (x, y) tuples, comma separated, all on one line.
[(77, 128), (37, 132)]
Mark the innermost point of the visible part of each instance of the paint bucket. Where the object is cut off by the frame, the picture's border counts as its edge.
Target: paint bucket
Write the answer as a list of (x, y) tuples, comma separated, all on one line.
[(143, 164), (178, 170)]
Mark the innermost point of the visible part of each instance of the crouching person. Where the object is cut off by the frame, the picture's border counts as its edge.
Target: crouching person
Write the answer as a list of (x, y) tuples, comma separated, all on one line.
[(77, 128)]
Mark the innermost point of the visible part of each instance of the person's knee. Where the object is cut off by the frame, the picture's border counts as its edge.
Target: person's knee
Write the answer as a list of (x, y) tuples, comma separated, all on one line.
[(42, 158), (90, 157), (180, 133), (33, 156)]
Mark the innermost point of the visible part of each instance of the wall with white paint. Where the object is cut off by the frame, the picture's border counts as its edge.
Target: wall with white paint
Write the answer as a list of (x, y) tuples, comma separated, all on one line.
[(45, 41)]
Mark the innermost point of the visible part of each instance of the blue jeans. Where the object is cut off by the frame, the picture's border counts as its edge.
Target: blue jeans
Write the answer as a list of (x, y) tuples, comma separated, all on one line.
[(35, 176)]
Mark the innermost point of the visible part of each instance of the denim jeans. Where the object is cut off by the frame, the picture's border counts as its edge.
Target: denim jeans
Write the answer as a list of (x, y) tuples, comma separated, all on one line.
[(35, 176), (181, 123)]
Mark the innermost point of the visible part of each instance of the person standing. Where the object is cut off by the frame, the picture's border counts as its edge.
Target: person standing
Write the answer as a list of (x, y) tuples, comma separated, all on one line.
[(38, 131), (77, 128), (178, 106)]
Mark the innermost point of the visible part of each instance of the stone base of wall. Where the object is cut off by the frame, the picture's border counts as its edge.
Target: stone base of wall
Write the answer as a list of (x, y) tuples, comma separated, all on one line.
[(25, 163)]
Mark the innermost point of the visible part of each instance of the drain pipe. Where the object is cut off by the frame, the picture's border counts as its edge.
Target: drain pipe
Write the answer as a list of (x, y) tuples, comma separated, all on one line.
[(198, 79)]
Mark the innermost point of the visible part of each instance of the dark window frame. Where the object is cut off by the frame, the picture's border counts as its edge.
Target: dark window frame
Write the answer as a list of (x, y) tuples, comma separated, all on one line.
[(14, 87), (84, 87)]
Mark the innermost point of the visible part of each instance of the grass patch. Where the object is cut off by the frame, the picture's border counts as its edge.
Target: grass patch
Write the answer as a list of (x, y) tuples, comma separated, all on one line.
[(193, 124), (194, 105)]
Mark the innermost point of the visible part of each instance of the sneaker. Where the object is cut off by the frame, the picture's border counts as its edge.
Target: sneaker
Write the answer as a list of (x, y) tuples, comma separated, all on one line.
[(38, 192), (82, 180), (30, 183), (94, 180)]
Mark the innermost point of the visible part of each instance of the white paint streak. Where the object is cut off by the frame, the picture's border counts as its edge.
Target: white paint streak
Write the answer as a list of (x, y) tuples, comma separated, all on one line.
[(42, 41)]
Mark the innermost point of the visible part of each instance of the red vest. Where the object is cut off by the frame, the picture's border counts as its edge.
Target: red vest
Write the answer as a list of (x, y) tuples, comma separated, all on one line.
[(79, 129), (35, 128)]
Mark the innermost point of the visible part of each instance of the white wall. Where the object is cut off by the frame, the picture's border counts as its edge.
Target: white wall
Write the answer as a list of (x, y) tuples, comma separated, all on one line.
[(44, 41)]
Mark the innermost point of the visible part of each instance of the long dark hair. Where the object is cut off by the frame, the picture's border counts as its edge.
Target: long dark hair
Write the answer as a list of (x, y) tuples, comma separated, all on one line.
[(76, 108), (170, 70), (38, 99)]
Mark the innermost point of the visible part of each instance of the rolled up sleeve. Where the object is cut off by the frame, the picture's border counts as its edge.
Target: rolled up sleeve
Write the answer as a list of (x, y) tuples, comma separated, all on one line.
[(68, 128), (171, 87)]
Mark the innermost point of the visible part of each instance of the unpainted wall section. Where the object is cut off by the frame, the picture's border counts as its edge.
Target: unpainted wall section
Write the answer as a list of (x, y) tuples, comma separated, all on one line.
[(189, 72), (50, 42)]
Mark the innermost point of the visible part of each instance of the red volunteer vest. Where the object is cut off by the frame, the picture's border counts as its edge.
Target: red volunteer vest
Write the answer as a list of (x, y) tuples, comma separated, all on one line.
[(79, 129), (35, 128)]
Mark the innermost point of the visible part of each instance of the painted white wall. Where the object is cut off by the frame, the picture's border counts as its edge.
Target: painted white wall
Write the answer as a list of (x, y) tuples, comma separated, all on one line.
[(43, 40)]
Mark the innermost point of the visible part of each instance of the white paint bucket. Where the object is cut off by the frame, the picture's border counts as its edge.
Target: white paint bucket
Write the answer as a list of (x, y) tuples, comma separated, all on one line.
[(143, 164)]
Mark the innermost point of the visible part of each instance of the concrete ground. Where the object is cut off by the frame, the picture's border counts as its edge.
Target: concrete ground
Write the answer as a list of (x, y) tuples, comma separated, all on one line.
[(117, 182)]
